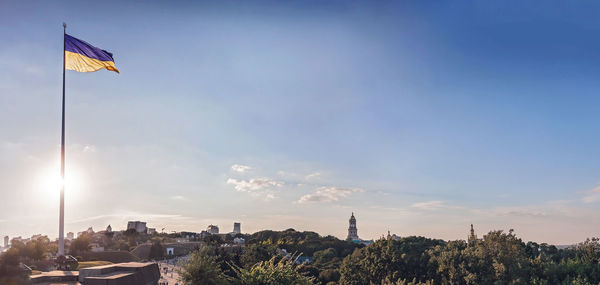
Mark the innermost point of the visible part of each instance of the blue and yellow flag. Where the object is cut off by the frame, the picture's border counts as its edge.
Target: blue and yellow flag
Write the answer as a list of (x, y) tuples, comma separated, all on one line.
[(83, 57)]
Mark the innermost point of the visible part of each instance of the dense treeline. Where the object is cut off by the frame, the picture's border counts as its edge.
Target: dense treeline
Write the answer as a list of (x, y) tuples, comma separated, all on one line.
[(35, 253), (498, 258), (306, 243), (292, 257)]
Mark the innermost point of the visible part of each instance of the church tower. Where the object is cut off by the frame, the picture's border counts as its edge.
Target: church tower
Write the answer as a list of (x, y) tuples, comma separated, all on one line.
[(352, 230), (472, 237)]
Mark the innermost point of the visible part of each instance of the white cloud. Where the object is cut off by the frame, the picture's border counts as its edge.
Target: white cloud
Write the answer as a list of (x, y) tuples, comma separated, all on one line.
[(592, 195), (429, 205), (313, 175), (254, 185), (257, 186), (178, 197), (328, 194), (240, 168)]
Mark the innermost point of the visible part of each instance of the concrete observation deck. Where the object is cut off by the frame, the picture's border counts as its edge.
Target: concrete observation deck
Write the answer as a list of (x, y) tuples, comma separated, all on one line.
[(134, 273)]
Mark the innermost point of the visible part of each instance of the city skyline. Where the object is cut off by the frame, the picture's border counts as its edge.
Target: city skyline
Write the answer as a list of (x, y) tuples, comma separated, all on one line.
[(421, 119)]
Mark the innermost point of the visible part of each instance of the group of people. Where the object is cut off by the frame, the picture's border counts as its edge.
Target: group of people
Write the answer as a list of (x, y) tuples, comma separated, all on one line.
[(169, 269)]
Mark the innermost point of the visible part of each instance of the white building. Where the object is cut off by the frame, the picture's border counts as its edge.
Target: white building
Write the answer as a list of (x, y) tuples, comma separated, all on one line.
[(6, 241), (140, 227), (70, 235), (352, 230)]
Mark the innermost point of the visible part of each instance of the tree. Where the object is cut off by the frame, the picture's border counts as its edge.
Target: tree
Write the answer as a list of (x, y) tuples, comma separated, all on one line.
[(324, 256), (38, 248), (499, 257), (329, 275), (256, 253), (80, 245), (131, 235), (10, 272), (202, 268), (451, 262), (390, 260), (273, 272)]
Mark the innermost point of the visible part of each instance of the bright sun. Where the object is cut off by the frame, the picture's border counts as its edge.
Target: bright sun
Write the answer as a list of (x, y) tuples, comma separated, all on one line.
[(49, 182)]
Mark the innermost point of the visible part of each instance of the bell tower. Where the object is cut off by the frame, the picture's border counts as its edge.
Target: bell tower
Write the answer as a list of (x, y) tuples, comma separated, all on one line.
[(472, 237), (352, 230)]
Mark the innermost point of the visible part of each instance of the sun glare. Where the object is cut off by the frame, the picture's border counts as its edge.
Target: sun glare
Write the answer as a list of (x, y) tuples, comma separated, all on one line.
[(49, 182)]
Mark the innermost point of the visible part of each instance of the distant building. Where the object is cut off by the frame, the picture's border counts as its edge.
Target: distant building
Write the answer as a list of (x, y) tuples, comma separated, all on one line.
[(109, 229), (204, 234), (237, 228), (353, 233), (70, 235), (472, 237), (6, 241), (151, 231), (212, 229), (392, 236), (140, 227), (352, 230), (239, 240)]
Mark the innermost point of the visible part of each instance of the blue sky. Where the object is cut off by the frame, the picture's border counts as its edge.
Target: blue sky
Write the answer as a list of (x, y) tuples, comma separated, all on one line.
[(420, 117)]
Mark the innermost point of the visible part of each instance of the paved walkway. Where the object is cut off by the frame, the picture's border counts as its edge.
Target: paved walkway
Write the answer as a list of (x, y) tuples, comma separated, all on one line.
[(169, 272)]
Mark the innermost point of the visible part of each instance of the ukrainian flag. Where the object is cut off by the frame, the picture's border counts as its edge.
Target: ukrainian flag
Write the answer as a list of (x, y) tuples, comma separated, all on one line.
[(83, 57)]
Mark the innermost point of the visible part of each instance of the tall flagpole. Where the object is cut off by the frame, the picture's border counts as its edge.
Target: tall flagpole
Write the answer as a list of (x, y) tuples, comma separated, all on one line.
[(61, 221)]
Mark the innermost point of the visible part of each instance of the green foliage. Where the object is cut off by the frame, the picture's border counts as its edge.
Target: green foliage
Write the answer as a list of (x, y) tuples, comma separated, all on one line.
[(499, 258), (256, 253), (205, 267), (273, 272), (305, 243), (226, 256), (202, 268), (325, 256), (389, 260), (329, 275), (33, 250), (80, 245), (10, 272)]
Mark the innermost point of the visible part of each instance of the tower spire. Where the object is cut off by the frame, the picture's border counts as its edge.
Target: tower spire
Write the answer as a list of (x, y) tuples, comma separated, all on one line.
[(472, 237), (352, 230)]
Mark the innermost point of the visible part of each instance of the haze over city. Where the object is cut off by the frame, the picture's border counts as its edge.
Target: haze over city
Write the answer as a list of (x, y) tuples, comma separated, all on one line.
[(419, 118)]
